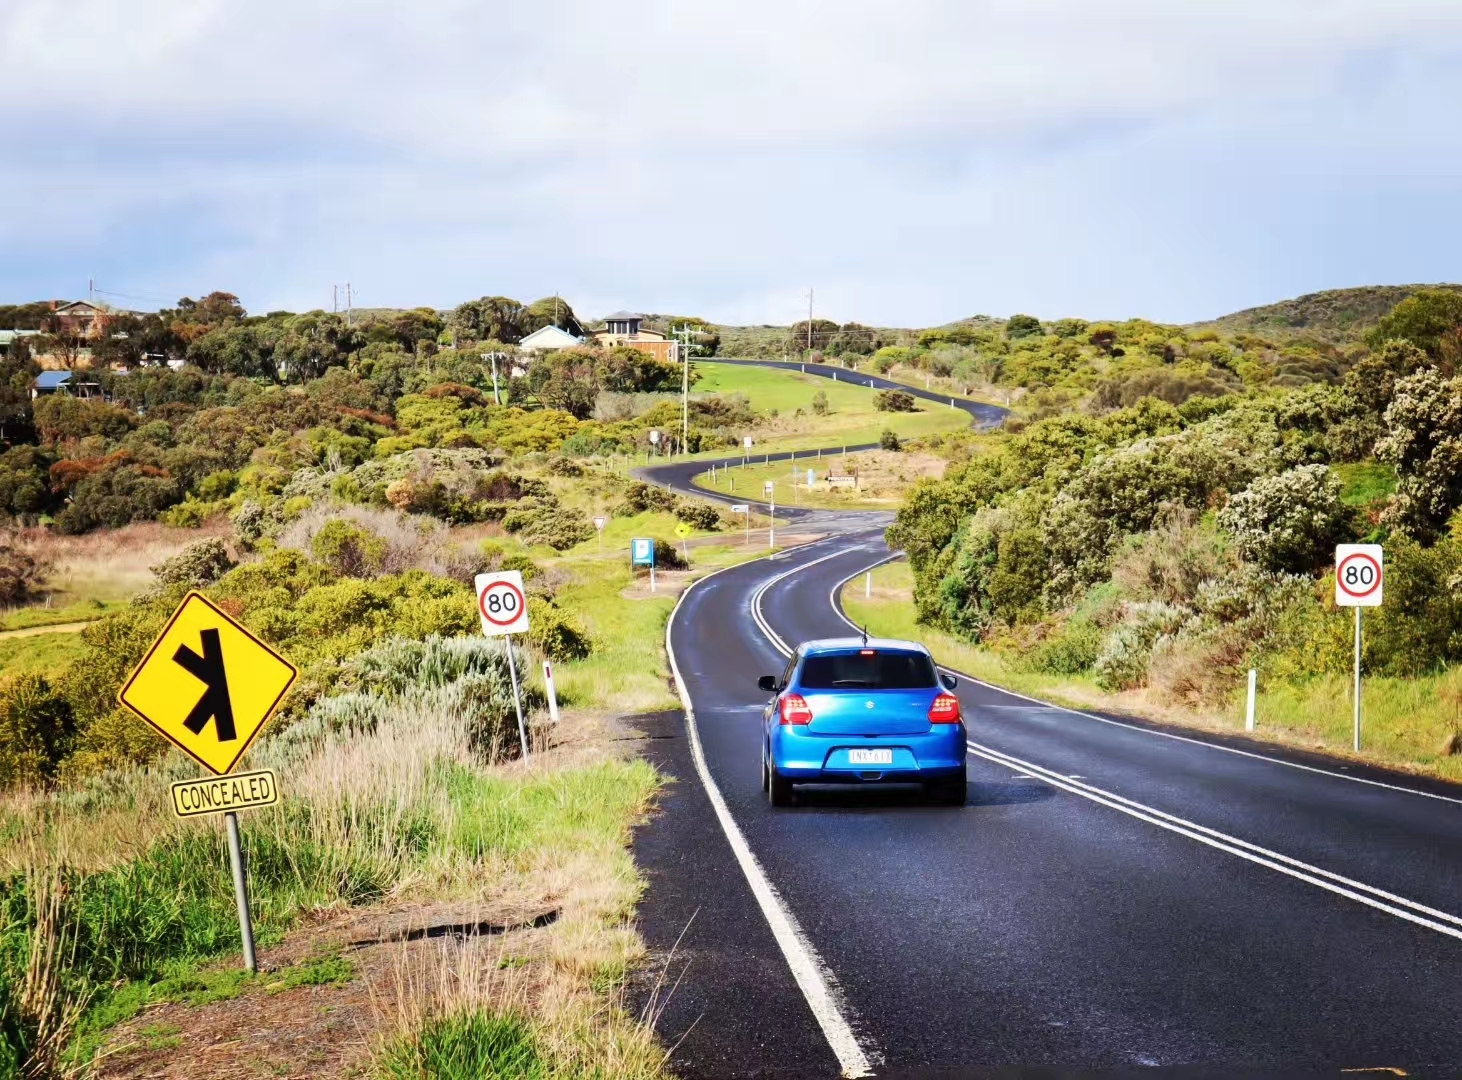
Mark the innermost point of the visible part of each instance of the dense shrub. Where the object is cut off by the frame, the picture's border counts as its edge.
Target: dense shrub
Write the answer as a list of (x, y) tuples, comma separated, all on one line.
[(118, 495), (350, 549), (642, 497), (553, 525), (1424, 442), (1288, 522), (1122, 663), (197, 565), (820, 406), (699, 513), (555, 632), (894, 401), (889, 440), (36, 729)]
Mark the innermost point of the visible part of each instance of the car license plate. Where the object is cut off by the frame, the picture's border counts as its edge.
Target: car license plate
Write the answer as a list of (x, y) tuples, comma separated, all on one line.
[(870, 757)]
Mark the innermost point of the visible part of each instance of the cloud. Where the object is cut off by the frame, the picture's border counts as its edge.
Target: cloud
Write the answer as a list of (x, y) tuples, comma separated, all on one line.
[(922, 160)]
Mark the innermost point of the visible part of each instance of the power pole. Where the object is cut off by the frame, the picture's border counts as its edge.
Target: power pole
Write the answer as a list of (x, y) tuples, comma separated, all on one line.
[(686, 332), (335, 299), (349, 298), (809, 321)]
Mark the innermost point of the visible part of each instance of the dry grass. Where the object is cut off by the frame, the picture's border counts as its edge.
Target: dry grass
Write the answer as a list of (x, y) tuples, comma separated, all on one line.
[(110, 564), (413, 541)]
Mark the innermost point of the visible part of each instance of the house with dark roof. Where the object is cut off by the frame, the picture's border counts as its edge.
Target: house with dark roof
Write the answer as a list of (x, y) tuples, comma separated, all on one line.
[(624, 328)]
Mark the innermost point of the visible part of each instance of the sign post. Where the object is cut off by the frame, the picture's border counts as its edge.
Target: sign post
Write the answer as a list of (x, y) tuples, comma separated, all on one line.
[(242, 681), (683, 530), (551, 691), (642, 553), (742, 508), (599, 523), (769, 489), (504, 611), (1359, 570), (745, 449)]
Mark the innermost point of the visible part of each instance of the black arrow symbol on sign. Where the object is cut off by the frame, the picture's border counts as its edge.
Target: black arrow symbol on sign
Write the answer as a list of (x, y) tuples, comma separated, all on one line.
[(215, 703)]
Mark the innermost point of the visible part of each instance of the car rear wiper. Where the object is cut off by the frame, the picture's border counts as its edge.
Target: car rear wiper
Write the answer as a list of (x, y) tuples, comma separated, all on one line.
[(851, 682)]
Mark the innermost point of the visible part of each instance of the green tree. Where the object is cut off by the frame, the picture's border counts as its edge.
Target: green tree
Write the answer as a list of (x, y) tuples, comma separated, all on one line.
[(567, 380), (551, 311), (633, 371), (1021, 326), (496, 318)]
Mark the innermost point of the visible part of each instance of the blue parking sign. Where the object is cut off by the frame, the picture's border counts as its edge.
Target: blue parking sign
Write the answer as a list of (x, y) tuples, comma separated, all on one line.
[(642, 552)]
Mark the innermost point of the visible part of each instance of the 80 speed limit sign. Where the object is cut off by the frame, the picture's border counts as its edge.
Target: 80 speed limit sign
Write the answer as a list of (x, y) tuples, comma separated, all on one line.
[(1359, 570), (501, 603)]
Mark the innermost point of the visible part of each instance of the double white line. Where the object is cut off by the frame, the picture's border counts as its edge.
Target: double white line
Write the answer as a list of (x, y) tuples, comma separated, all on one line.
[(1399, 906), (1410, 910)]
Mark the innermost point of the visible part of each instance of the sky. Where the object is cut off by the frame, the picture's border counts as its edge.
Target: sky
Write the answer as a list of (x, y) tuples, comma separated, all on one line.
[(911, 163)]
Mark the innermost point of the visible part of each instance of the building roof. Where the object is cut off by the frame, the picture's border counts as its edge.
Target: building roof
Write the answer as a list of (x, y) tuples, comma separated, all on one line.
[(623, 316), (76, 304), (52, 380), (549, 335), (8, 336)]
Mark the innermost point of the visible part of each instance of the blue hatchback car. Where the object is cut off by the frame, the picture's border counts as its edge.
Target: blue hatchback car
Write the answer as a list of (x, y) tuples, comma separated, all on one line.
[(861, 711)]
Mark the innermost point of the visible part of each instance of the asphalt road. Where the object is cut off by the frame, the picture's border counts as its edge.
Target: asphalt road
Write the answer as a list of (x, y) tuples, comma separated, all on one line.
[(677, 475), (1112, 896)]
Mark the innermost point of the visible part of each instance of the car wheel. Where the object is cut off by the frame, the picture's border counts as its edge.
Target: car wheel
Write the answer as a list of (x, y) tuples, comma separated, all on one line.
[(951, 792), (780, 788)]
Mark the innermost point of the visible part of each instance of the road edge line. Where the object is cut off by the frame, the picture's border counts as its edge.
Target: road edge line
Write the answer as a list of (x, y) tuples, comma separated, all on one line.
[(813, 978)]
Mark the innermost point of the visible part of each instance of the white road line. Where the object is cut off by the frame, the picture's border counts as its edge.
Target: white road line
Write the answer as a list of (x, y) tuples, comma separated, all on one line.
[(1390, 903), (817, 983), (837, 610)]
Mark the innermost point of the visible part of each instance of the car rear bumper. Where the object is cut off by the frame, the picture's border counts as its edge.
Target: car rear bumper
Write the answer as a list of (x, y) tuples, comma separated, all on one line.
[(824, 759)]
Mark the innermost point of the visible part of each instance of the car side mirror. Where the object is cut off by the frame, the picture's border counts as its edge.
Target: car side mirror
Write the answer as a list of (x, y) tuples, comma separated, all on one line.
[(949, 681), (767, 683)]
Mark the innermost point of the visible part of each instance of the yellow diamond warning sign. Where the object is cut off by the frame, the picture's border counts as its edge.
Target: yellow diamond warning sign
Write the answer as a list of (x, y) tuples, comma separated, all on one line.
[(207, 684)]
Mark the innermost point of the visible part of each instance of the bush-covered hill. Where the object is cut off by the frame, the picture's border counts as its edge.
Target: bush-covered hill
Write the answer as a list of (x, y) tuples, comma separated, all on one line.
[(1172, 545), (1335, 315)]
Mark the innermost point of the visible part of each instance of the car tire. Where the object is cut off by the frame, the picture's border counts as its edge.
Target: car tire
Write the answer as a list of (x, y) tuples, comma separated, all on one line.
[(951, 792), (780, 788), (766, 776)]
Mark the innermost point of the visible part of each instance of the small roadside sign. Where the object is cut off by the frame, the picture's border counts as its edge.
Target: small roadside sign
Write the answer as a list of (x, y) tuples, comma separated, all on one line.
[(207, 685), (600, 522), (501, 603), (684, 529), (220, 794), (740, 508), (642, 552), (746, 442), (811, 477), (1359, 570), (768, 487)]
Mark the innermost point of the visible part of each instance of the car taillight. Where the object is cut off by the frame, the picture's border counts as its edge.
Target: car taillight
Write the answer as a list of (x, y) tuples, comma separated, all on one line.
[(944, 710), (795, 710)]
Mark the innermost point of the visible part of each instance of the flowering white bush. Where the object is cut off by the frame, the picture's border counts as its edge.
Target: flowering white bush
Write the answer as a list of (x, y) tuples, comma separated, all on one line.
[(1289, 522)]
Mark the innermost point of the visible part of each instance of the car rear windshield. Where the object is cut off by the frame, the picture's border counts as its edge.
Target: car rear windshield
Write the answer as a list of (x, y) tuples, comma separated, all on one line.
[(867, 670)]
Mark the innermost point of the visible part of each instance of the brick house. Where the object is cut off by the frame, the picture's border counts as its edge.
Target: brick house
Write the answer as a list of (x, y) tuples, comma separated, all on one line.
[(623, 328)]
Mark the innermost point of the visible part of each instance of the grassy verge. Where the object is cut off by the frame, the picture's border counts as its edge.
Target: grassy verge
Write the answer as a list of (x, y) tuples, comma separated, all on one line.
[(851, 419), (884, 477), (1410, 724), (78, 611), (42, 653), (129, 909)]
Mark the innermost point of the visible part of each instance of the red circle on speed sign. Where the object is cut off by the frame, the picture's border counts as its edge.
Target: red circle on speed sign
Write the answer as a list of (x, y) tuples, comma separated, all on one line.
[(1359, 574), (509, 608)]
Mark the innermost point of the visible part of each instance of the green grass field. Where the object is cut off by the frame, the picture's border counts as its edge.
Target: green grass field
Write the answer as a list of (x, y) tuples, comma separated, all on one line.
[(851, 418)]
